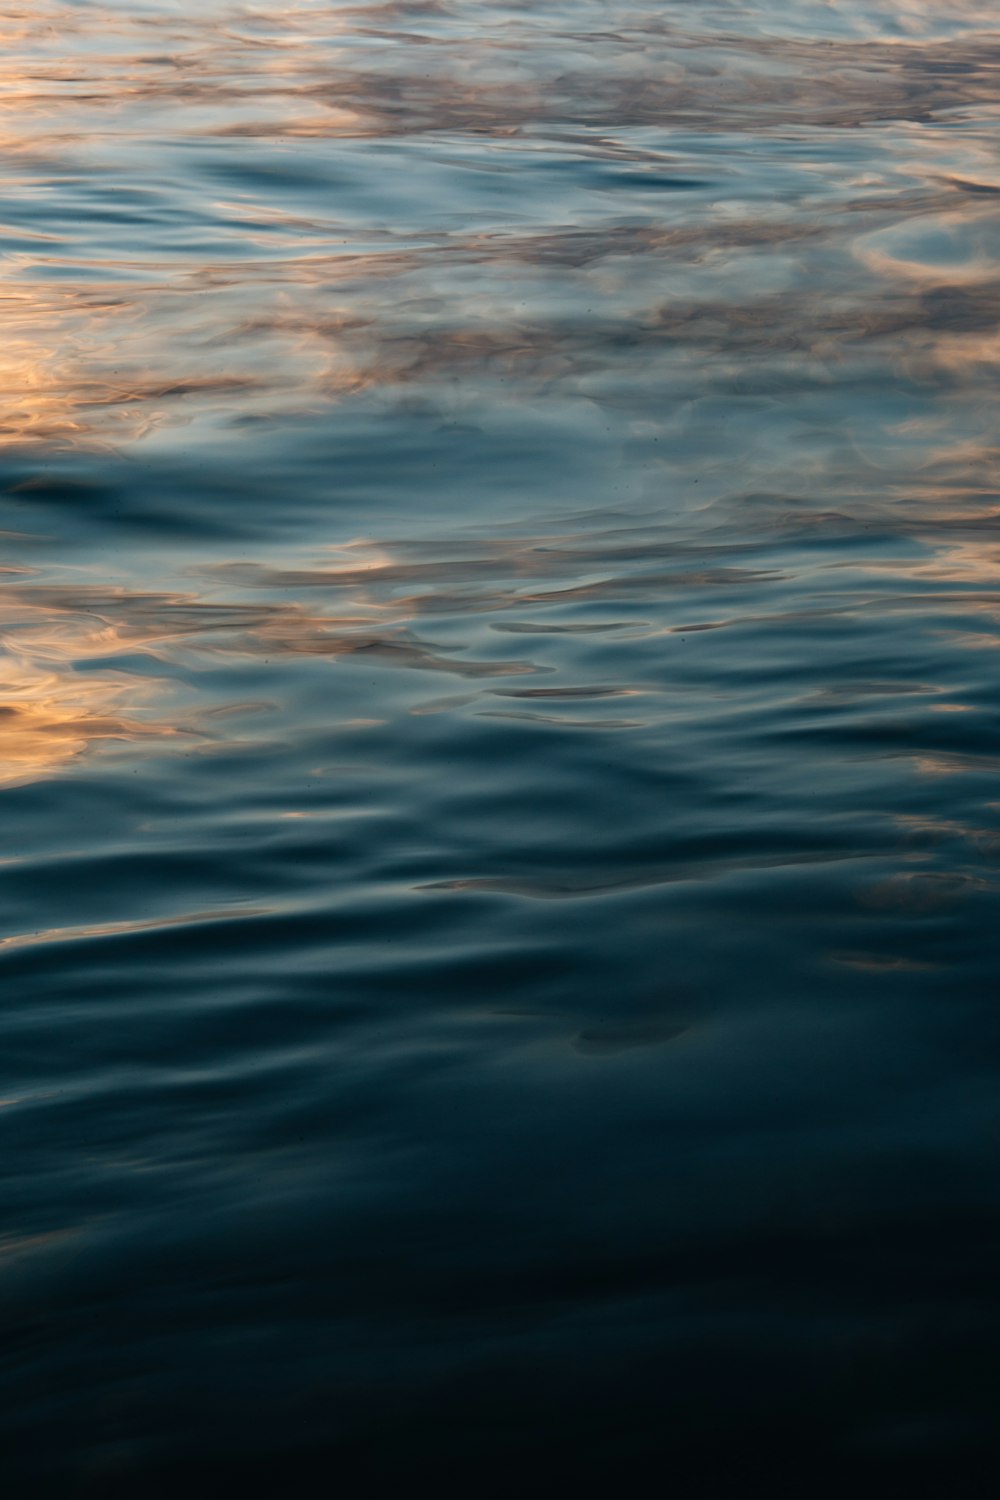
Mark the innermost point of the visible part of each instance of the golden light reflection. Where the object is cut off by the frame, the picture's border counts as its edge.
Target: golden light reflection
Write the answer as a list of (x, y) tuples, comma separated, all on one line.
[(36, 398), (48, 720), (55, 701)]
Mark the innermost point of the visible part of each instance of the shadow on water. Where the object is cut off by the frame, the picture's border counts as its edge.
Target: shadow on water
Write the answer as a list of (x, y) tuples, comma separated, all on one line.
[(498, 744)]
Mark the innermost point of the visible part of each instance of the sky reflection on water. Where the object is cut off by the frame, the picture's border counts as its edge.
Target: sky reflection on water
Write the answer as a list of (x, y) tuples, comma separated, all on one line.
[(500, 514)]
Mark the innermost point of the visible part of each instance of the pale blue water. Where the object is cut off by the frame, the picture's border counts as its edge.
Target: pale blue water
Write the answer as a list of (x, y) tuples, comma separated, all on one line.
[(498, 752)]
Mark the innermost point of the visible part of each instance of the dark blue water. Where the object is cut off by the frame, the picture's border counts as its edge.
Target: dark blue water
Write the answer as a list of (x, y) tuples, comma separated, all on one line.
[(499, 759)]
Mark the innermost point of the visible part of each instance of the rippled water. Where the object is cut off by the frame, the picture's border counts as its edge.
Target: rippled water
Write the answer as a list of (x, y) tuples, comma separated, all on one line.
[(498, 755)]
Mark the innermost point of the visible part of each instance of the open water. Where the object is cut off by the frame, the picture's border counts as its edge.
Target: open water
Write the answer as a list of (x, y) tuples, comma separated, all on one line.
[(499, 763)]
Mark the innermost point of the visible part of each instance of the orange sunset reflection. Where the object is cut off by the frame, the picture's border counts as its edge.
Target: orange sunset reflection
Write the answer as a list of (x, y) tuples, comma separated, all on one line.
[(49, 719)]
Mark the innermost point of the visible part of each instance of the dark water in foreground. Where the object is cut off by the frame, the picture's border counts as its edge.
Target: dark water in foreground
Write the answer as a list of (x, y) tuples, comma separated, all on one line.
[(500, 779)]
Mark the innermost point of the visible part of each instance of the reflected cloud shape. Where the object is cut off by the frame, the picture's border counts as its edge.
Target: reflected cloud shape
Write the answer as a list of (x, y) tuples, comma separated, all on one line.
[(111, 343)]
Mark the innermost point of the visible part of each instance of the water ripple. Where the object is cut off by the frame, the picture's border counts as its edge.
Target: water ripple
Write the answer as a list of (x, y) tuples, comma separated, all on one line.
[(497, 743)]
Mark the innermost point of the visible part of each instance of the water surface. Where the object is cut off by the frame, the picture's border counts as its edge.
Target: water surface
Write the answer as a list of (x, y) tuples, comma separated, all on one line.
[(498, 745)]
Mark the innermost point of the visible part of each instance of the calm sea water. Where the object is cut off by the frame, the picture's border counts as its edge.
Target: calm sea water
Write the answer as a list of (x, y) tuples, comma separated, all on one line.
[(499, 772)]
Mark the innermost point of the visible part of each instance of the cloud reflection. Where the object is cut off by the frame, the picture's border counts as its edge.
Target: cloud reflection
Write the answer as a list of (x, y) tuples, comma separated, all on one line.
[(611, 269), (110, 334)]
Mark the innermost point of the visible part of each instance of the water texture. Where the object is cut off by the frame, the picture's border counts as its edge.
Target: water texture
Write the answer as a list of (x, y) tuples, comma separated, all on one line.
[(499, 614)]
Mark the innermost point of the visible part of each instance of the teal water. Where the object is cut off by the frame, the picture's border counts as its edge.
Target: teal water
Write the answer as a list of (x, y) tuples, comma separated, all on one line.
[(500, 513)]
